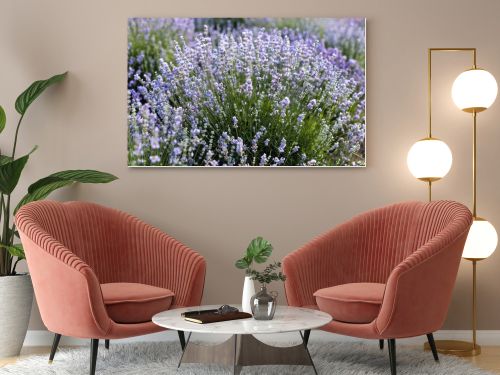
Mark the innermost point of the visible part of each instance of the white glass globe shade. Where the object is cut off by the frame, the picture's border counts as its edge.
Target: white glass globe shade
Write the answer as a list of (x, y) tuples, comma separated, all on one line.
[(429, 159), (474, 90), (481, 241)]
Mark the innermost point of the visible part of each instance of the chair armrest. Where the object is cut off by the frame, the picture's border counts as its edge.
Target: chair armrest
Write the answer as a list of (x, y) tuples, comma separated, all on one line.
[(165, 262), (66, 289), (419, 289), (321, 263)]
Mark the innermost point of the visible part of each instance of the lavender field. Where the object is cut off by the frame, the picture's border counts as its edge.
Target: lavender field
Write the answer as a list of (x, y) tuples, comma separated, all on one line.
[(246, 92)]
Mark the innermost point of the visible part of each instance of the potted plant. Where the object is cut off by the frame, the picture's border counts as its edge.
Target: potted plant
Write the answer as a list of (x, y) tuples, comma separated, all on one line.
[(258, 251), (16, 291)]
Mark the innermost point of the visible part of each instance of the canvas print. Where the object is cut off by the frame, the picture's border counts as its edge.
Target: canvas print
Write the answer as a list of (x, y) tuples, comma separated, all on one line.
[(246, 92)]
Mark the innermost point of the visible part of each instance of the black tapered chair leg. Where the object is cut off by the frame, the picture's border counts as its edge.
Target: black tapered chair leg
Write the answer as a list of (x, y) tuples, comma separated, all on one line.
[(94, 346), (106, 344), (307, 333), (432, 344), (55, 344), (182, 339), (392, 355), (381, 344)]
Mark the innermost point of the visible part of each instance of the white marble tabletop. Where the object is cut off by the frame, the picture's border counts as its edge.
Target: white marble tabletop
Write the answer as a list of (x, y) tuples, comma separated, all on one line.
[(286, 319)]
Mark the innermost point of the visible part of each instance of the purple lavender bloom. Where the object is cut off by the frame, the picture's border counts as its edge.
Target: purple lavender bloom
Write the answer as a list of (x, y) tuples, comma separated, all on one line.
[(281, 161), (255, 140), (263, 160), (178, 117), (311, 104), (247, 87), (155, 159), (239, 146), (155, 143), (281, 148), (285, 102)]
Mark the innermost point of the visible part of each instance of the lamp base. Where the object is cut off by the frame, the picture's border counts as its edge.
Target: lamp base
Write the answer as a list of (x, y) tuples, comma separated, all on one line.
[(456, 348)]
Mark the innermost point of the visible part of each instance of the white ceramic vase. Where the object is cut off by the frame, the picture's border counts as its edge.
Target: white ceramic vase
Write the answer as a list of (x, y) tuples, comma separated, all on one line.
[(248, 292), (16, 298)]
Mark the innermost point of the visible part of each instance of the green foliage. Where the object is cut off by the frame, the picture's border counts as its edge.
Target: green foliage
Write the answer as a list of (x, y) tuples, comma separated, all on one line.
[(43, 187), (269, 274), (31, 93), (11, 170), (258, 250), (16, 250)]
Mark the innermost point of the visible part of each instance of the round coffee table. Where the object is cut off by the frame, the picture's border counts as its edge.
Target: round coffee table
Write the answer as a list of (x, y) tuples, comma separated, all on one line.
[(242, 348)]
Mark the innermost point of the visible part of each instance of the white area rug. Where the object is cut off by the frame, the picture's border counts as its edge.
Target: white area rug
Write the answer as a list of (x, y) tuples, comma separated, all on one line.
[(161, 358)]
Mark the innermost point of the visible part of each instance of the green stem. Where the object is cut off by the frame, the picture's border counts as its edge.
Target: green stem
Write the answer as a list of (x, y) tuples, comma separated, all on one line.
[(13, 272), (15, 137), (3, 252), (12, 234), (5, 234)]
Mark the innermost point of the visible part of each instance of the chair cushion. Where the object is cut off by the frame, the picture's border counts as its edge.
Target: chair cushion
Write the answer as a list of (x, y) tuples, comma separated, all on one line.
[(351, 303), (135, 303)]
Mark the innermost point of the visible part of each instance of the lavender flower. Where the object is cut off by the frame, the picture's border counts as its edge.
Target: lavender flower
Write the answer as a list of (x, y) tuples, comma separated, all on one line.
[(285, 102), (263, 160), (311, 104), (281, 148), (247, 87), (277, 85), (155, 159)]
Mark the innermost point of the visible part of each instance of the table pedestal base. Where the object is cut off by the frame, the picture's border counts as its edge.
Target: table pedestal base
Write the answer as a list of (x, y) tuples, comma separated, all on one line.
[(246, 350)]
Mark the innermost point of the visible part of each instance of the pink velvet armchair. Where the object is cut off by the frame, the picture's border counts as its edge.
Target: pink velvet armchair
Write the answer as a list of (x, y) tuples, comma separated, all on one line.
[(385, 274), (99, 273)]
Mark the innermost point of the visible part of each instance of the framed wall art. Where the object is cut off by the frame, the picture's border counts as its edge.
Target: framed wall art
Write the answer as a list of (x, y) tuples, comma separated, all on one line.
[(238, 92)]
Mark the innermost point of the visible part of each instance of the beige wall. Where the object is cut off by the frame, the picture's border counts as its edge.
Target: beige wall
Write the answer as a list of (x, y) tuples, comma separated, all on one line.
[(82, 124)]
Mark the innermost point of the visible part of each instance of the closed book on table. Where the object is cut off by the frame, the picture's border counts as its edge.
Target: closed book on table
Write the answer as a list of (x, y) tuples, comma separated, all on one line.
[(212, 317)]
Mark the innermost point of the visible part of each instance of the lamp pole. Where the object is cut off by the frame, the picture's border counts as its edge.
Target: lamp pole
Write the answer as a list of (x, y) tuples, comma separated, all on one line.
[(454, 347)]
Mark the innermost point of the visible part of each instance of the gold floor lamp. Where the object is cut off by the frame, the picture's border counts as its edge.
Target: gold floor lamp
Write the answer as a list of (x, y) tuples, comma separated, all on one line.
[(430, 159)]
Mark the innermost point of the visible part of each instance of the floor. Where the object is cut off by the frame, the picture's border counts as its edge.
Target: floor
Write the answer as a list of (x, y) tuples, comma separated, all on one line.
[(488, 360)]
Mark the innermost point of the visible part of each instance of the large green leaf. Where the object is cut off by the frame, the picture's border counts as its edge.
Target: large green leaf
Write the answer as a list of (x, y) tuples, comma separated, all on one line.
[(3, 119), (42, 193), (15, 250), (86, 176), (242, 263), (259, 250), (29, 95), (10, 172), (43, 187)]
